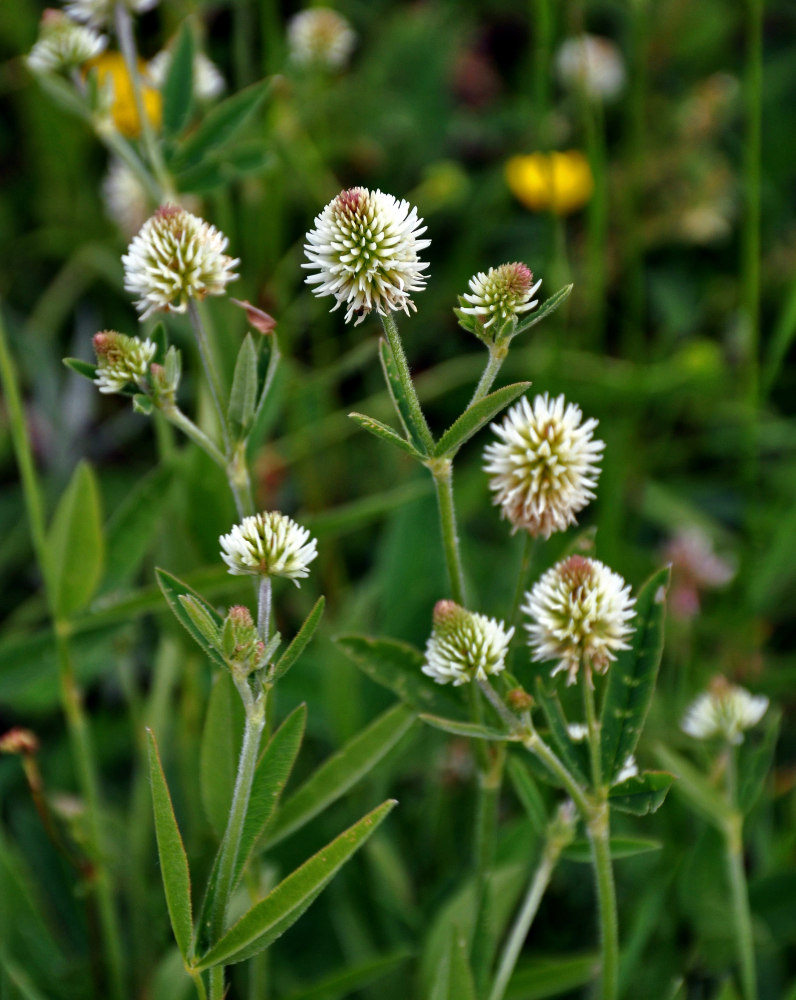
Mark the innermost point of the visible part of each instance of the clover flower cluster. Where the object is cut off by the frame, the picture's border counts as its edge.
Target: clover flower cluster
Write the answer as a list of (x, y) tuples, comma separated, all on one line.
[(320, 37), (725, 710), (121, 360), (269, 544), (63, 44), (465, 646), (501, 294)]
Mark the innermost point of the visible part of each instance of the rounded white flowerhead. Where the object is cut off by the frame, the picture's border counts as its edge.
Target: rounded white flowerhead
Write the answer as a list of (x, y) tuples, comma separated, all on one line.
[(320, 37), (176, 256), (500, 295), (724, 710), (465, 646), (545, 466), (269, 544), (579, 612), (121, 360), (208, 83), (125, 198), (99, 13), (364, 248), (593, 64), (63, 44)]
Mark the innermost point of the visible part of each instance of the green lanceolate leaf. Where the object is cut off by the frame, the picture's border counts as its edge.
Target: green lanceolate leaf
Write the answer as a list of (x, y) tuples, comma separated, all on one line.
[(173, 589), (173, 859), (300, 641), (475, 417), (243, 395), (402, 407), (341, 771), (386, 433), (473, 730), (528, 794), (574, 755), (631, 679), (641, 794), (454, 978), (219, 751), (693, 786), (285, 904), (178, 89), (620, 847), (76, 544), (220, 124), (84, 368), (132, 527), (397, 666), (541, 978), (548, 306)]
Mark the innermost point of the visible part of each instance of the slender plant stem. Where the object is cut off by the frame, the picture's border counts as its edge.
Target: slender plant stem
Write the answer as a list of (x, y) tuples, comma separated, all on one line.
[(210, 369), (733, 839), (126, 36), (442, 473), (534, 744), (528, 550), (497, 355), (593, 727), (120, 147), (176, 417), (600, 837), (499, 706), (264, 608), (753, 87), (407, 385), (239, 479)]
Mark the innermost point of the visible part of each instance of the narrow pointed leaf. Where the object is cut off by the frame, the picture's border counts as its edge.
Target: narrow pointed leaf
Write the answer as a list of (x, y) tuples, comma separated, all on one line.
[(384, 432), (454, 978), (397, 666), (271, 917), (84, 368), (528, 794), (220, 124), (173, 589), (398, 397), (693, 786), (631, 679), (300, 641), (341, 771), (476, 417), (641, 794), (219, 751), (178, 88), (548, 306), (541, 978), (573, 754), (76, 543), (173, 859), (243, 395), (620, 847), (473, 730)]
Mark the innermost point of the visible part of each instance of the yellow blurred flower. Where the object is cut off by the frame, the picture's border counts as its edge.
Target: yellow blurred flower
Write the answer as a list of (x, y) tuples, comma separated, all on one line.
[(556, 182), (112, 73)]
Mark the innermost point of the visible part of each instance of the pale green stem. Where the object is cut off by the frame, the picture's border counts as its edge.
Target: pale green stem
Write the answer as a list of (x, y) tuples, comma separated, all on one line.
[(528, 550), (497, 355), (77, 725), (210, 369), (593, 727), (494, 699), (119, 146), (126, 37), (490, 780), (600, 837), (239, 479), (442, 472), (176, 417), (410, 394), (733, 837), (264, 608), (534, 744)]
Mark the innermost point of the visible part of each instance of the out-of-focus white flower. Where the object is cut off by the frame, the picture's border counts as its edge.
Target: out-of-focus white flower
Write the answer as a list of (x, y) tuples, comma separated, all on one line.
[(628, 770), (464, 646), (121, 360), (99, 13), (208, 83), (577, 731), (544, 468), (126, 200), (269, 544), (593, 64), (176, 256), (63, 44), (580, 611), (364, 248), (724, 710), (695, 567), (320, 37), (501, 294)]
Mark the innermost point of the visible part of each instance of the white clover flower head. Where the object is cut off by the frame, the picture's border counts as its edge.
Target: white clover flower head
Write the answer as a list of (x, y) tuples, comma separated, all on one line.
[(579, 612), (320, 37), (208, 83), (465, 646), (121, 360), (99, 13), (269, 544), (593, 64), (176, 256), (724, 710), (364, 248), (545, 466), (125, 197), (501, 294), (63, 44)]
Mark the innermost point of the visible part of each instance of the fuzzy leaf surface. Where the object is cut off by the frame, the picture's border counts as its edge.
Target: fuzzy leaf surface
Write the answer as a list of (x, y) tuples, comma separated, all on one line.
[(476, 417), (398, 397), (641, 794), (173, 589), (380, 430)]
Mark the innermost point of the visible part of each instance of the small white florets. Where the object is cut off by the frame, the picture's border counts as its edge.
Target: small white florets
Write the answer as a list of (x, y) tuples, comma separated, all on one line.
[(579, 611), (320, 37), (63, 44), (364, 248), (592, 63), (544, 468), (121, 360), (501, 294), (269, 544), (176, 256), (724, 710), (465, 646)]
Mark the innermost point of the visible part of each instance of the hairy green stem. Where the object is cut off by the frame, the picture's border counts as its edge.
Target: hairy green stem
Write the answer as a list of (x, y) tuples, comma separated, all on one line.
[(176, 417), (497, 355), (599, 831), (442, 472), (534, 744), (239, 479), (264, 608), (593, 727), (405, 378)]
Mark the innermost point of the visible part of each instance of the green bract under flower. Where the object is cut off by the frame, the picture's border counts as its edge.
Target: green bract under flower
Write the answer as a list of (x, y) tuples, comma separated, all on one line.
[(269, 544), (465, 646)]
